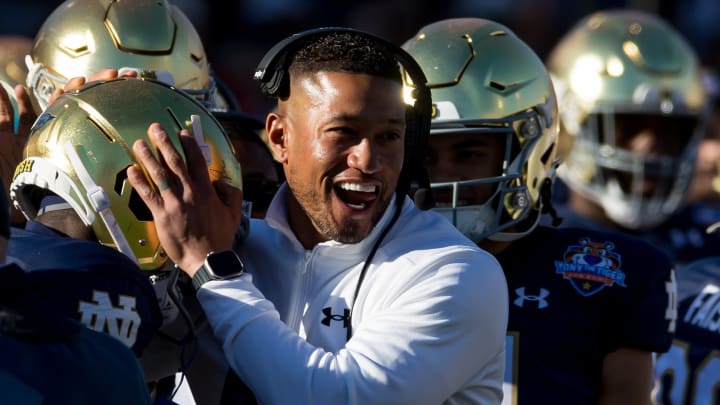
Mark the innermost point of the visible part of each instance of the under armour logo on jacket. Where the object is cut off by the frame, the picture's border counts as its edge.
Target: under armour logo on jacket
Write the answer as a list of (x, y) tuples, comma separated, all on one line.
[(329, 317), (121, 322), (522, 297)]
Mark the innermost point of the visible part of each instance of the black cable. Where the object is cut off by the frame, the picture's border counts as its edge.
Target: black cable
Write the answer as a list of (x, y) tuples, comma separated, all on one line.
[(547, 207), (366, 265)]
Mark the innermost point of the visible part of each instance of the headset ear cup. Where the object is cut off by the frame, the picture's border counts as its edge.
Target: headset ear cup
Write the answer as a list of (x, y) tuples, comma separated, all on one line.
[(407, 175), (411, 122)]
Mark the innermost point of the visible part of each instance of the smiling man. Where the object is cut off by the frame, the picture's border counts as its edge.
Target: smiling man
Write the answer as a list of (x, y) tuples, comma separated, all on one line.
[(354, 295)]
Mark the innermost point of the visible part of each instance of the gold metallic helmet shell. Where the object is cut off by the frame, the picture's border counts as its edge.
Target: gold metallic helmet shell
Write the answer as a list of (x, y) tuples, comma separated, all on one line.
[(81, 146), (484, 79), (153, 37), (627, 62)]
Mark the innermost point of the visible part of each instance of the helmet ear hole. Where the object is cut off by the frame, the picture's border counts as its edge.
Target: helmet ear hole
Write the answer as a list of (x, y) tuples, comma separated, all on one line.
[(136, 204), (138, 207)]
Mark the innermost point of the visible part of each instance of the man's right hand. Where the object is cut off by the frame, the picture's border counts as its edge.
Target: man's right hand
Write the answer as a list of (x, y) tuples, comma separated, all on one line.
[(12, 142), (77, 82)]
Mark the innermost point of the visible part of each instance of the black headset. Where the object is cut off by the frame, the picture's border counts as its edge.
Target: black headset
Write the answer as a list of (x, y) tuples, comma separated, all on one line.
[(272, 73)]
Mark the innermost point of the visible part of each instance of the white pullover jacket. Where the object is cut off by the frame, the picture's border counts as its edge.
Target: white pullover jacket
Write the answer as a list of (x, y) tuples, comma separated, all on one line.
[(428, 323)]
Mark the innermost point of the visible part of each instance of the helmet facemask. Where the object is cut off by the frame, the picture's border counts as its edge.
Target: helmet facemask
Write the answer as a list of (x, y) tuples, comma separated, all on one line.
[(489, 87), (632, 102), (636, 166), (484, 207)]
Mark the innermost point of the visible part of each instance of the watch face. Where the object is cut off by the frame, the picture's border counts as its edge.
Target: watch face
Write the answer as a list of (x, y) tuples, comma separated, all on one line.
[(224, 264)]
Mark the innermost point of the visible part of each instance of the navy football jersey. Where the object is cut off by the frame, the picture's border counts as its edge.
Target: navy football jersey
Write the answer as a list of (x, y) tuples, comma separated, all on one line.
[(47, 357), (684, 233), (94, 284), (682, 236), (575, 296), (689, 373)]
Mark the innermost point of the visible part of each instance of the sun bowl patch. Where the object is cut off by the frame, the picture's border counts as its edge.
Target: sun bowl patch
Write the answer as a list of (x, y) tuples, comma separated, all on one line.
[(591, 266)]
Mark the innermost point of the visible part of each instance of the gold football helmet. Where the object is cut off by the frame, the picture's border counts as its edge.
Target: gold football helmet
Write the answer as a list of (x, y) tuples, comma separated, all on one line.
[(627, 69), (81, 146), (486, 82), (81, 37)]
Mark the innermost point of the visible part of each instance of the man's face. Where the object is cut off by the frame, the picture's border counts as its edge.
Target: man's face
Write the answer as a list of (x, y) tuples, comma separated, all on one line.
[(457, 157), (652, 136), (343, 151)]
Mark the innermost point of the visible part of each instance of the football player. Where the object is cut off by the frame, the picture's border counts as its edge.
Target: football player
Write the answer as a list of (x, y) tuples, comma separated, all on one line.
[(13, 49), (688, 372), (632, 104), (587, 308), (50, 357), (73, 189)]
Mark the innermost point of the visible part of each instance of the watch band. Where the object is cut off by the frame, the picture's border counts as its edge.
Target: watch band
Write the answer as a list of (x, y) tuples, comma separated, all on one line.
[(220, 265), (201, 277)]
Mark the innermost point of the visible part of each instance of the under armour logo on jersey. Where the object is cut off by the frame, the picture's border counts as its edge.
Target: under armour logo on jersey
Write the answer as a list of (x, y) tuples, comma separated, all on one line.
[(329, 317), (121, 322), (522, 297)]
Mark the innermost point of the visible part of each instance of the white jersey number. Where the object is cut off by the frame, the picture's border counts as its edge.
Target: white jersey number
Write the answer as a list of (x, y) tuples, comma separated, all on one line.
[(675, 364)]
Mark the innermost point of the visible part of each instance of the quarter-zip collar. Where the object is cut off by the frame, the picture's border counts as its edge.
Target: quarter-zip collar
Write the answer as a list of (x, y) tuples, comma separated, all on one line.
[(277, 218)]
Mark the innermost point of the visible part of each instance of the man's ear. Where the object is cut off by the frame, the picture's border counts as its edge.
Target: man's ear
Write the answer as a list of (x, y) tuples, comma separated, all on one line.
[(277, 141)]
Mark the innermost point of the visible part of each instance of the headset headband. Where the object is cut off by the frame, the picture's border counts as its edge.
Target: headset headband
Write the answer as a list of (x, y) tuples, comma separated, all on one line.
[(273, 67)]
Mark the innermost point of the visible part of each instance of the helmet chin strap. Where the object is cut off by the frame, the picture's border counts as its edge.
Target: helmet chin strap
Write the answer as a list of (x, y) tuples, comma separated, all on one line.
[(39, 79), (99, 201)]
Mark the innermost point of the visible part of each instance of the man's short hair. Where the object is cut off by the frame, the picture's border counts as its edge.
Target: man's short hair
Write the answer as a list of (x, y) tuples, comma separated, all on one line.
[(345, 52)]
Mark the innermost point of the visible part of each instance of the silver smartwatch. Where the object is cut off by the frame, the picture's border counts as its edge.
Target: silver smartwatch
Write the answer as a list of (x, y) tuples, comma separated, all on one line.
[(221, 265)]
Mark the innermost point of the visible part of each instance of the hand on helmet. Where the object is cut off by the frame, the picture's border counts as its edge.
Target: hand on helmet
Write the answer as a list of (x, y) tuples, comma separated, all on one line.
[(193, 215), (12, 142), (79, 81)]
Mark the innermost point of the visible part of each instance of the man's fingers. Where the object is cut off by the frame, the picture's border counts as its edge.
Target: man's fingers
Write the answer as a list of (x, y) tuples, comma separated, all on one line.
[(74, 83), (104, 74), (54, 96), (168, 153), (25, 110), (154, 166), (195, 160), (160, 179), (6, 111), (142, 186)]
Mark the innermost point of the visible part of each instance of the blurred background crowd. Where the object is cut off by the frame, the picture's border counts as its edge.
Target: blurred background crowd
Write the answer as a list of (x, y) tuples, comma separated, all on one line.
[(236, 34)]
